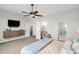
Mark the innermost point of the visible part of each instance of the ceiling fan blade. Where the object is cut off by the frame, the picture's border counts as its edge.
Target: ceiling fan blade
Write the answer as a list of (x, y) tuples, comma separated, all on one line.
[(39, 15), (25, 12), (36, 11), (26, 15)]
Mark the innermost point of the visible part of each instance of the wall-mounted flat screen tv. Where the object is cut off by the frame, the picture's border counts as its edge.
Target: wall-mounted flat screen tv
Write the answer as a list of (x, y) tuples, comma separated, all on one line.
[(13, 23)]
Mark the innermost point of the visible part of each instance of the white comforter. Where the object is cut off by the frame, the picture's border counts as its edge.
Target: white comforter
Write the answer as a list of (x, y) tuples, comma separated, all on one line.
[(71, 47)]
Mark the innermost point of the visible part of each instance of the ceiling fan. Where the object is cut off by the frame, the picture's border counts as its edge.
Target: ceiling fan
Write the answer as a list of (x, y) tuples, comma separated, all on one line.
[(33, 13)]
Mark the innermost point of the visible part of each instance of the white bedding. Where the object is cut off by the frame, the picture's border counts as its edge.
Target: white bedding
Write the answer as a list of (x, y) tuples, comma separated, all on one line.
[(71, 48)]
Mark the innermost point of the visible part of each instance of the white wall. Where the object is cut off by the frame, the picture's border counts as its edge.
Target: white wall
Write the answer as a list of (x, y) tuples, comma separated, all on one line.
[(5, 15), (27, 24), (71, 18)]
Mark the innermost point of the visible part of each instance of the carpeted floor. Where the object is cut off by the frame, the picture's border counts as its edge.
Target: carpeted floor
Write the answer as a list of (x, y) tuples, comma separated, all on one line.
[(53, 48), (13, 47)]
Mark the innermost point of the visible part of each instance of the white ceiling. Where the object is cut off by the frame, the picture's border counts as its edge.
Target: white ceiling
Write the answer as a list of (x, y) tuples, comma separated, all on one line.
[(44, 9)]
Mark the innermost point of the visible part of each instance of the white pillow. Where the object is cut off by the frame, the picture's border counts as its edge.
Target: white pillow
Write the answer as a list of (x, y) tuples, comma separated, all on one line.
[(67, 44)]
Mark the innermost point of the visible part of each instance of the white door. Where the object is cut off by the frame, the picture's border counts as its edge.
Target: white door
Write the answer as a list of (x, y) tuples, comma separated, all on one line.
[(62, 31)]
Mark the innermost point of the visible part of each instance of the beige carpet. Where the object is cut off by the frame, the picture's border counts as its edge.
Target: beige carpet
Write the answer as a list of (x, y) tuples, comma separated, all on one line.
[(53, 48), (14, 47)]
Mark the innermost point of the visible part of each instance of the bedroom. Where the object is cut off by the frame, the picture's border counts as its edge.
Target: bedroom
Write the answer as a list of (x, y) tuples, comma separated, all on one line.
[(65, 15)]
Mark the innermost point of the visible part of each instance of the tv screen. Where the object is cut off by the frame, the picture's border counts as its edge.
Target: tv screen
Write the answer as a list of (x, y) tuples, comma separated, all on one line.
[(13, 23)]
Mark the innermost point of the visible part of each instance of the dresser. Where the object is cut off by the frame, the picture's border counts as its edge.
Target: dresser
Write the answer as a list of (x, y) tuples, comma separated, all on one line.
[(13, 33)]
